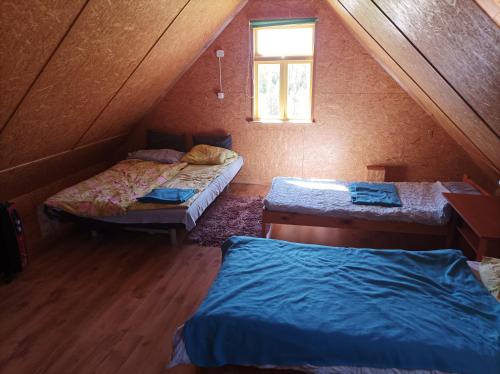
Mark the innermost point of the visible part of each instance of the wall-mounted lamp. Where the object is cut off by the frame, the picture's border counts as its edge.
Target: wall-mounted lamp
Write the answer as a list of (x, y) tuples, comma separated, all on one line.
[(219, 54)]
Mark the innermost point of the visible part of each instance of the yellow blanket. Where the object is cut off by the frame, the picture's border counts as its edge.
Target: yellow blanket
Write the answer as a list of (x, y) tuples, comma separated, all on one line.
[(111, 192), (193, 176)]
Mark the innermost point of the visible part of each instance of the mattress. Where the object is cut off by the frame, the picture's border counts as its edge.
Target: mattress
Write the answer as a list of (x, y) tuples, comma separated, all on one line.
[(186, 214), (181, 357), (343, 310), (422, 202)]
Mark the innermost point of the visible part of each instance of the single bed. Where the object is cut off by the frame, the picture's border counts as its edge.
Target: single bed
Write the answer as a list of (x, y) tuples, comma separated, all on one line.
[(276, 304), (327, 203), (208, 180)]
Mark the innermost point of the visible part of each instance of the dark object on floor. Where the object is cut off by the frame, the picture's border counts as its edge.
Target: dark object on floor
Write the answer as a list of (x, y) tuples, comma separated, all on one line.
[(229, 215), (13, 253)]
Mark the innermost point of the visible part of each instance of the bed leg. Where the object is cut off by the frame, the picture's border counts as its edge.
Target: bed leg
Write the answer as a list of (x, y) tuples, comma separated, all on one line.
[(450, 235), (172, 233), (265, 232)]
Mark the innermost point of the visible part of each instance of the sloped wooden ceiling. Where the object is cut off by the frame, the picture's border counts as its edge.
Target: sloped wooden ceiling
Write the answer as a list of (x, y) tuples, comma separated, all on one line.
[(446, 54), (74, 73)]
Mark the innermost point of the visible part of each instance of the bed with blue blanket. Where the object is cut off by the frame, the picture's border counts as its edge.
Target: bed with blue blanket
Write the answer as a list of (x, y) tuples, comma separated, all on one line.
[(343, 310)]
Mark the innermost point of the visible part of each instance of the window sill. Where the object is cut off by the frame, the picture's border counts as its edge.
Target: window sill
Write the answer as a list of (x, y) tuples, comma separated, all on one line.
[(280, 122)]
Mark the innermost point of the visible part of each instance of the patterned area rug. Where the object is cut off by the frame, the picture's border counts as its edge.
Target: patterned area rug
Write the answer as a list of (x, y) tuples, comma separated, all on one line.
[(229, 215)]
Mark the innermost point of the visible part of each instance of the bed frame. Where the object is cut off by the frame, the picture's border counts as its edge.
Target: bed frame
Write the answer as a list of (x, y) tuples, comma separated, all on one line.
[(269, 217), (95, 227)]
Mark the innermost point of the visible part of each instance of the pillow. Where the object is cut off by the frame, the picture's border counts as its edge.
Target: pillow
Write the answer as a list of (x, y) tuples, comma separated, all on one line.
[(165, 156), (163, 140), (203, 154), (224, 141), (489, 271)]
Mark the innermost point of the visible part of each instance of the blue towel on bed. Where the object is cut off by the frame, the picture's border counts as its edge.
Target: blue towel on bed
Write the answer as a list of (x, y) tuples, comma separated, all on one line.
[(280, 303), (168, 195), (383, 194)]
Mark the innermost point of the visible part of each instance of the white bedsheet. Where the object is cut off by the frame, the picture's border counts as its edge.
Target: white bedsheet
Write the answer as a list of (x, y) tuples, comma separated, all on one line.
[(189, 216), (422, 202)]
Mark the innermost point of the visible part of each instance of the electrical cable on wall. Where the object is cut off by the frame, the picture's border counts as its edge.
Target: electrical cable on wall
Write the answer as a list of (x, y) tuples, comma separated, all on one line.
[(220, 53)]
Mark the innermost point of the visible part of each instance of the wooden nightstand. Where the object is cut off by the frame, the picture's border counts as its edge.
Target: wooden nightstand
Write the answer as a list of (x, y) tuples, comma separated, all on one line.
[(477, 219)]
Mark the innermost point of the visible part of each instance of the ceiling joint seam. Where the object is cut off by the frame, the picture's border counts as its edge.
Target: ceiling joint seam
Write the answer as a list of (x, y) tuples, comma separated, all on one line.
[(434, 68), (490, 163), (92, 123), (44, 66)]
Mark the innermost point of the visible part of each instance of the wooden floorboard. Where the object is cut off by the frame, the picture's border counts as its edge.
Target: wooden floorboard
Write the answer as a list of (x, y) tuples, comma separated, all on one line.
[(108, 306), (112, 304)]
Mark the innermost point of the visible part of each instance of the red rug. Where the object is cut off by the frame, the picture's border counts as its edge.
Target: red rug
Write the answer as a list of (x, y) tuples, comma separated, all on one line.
[(227, 216)]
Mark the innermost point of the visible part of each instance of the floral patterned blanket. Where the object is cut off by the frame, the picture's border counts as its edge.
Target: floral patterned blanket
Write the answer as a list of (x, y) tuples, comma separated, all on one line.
[(111, 192)]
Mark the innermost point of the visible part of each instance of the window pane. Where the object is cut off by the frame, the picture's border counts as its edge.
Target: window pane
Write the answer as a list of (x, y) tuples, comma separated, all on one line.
[(284, 42), (299, 91), (269, 90)]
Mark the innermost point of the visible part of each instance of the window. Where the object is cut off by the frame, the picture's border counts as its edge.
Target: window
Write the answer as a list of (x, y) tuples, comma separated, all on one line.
[(283, 53)]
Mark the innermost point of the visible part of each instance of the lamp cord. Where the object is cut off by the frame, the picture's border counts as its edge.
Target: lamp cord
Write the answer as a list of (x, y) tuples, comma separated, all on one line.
[(220, 74)]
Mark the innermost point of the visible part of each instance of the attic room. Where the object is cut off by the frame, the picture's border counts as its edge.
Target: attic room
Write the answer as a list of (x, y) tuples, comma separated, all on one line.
[(229, 186)]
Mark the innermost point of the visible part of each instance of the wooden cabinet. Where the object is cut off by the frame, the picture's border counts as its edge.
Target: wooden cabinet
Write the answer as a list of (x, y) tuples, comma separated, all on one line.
[(476, 218)]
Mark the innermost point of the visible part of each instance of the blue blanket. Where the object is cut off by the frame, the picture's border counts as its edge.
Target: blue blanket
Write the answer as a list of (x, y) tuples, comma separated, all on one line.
[(280, 303), (383, 194), (168, 195)]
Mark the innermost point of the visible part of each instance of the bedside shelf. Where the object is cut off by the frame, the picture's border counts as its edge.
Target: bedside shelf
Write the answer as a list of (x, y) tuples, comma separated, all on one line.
[(468, 236), (476, 218)]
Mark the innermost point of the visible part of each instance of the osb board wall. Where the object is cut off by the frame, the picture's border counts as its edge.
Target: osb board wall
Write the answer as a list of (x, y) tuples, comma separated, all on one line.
[(491, 8), (22, 179), (110, 55), (176, 50), (462, 44), (400, 57), (29, 33), (402, 70), (107, 41), (362, 116)]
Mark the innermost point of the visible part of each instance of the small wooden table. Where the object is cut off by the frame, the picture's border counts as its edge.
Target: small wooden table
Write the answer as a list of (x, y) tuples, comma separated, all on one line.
[(477, 219)]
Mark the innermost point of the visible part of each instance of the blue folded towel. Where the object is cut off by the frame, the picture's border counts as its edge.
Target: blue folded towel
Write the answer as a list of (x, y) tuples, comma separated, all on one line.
[(383, 194), (168, 195)]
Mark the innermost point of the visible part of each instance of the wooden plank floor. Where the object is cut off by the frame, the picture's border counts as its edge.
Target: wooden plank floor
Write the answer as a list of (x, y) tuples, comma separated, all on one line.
[(111, 305), (105, 307)]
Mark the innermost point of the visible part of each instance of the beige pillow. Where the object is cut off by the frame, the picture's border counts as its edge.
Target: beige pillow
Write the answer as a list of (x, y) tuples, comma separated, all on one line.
[(204, 154), (489, 271)]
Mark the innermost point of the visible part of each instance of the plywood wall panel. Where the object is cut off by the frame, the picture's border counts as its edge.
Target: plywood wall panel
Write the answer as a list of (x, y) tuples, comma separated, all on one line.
[(34, 175), (391, 66), (461, 119), (461, 42), (184, 39), (362, 116), (29, 33), (491, 8), (105, 45)]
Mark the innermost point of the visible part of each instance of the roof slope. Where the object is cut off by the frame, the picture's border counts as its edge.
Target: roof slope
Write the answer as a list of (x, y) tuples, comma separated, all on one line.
[(446, 55), (74, 73), (80, 72)]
